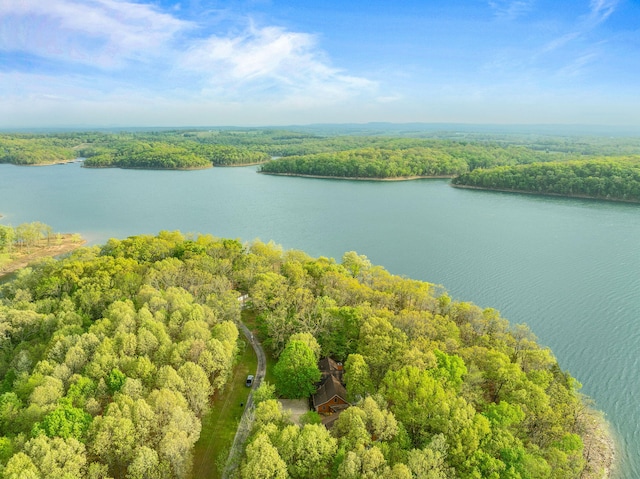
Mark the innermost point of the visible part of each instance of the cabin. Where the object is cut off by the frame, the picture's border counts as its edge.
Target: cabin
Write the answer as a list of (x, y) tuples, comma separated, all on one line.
[(331, 397)]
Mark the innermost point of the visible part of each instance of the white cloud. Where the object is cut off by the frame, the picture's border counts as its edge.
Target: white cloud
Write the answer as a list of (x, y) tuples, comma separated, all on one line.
[(136, 44), (103, 33), (271, 60)]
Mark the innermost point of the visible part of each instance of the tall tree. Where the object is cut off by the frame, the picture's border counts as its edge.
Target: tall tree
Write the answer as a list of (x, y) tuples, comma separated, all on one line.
[(296, 371), (263, 461)]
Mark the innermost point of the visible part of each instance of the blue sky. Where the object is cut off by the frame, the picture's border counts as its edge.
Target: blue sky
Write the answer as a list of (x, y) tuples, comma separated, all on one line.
[(274, 62)]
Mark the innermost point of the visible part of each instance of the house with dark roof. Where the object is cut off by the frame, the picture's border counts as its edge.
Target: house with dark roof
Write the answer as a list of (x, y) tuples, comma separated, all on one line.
[(331, 396)]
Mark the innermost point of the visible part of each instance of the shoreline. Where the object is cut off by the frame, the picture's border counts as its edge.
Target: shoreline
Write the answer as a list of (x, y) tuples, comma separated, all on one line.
[(600, 445), (238, 165), (50, 163), (540, 193), (193, 168), (359, 178)]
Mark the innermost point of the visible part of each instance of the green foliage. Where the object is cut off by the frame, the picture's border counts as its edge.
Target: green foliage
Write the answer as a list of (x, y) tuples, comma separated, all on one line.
[(404, 158), (48, 458), (451, 368), (65, 422), (310, 417), (6, 449), (136, 154), (22, 149), (296, 372), (611, 179), (442, 389), (384, 152), (109, 348), (263, 461), (23, 236), (172, 150), (370, 163), (357, 377), (264, 392), (115, 380), (109, 357)]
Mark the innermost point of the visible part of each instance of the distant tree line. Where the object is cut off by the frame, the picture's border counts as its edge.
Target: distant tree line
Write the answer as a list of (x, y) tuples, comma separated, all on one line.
[(324, 152), (168, 150), (612, 178)]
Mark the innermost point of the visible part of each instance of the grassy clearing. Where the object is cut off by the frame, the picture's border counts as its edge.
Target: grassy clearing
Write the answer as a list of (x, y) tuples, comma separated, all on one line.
[(220, 424), (22, 256)]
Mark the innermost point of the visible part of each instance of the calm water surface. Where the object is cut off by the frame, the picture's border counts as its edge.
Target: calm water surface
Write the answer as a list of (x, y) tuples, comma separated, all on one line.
[(568, 268)]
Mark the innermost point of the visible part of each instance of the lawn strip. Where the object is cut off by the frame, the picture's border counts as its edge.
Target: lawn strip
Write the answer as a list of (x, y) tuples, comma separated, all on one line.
[(220, 423)]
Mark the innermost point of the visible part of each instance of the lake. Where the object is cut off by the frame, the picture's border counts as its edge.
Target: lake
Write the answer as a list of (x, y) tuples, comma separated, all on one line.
[(568, 268)]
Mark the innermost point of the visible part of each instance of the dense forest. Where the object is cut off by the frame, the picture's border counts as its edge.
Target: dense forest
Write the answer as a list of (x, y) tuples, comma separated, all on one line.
[(143, 155), (34, 149), (441, 389), (140, 152), (444, 158), (108, 359), (608, 178), (369, 163), (168, 150)]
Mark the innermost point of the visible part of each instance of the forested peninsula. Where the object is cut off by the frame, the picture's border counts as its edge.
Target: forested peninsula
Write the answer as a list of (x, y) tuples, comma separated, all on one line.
[(109, 357), (615, 179), (439, 159)]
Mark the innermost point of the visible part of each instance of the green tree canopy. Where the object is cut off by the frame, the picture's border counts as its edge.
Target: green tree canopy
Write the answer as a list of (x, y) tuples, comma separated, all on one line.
[(296, 371)]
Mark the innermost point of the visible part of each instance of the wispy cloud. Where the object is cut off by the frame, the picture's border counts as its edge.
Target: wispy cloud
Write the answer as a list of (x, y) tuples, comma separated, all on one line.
[(578, 66), (575, 51), (559, 42), (511, 9), (600, 10)]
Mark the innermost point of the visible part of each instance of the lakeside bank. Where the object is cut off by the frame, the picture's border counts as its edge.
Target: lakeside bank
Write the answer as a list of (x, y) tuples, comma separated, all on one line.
[(358, 178), (542, 193), (68, 242)]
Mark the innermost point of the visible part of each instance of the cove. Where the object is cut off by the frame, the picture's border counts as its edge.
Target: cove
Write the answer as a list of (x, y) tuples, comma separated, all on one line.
[(569, 268)]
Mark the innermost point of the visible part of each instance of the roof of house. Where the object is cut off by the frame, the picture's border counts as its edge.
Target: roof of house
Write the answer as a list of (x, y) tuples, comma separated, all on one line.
[(329, 421), (328, 365), (330, 388)]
